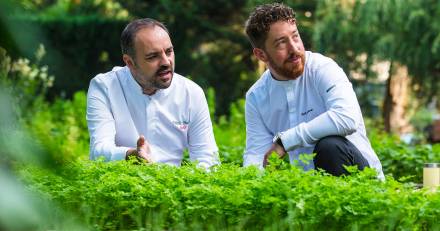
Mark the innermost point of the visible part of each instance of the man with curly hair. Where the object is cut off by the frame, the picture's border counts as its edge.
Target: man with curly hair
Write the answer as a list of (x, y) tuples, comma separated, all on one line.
[(303, 103)]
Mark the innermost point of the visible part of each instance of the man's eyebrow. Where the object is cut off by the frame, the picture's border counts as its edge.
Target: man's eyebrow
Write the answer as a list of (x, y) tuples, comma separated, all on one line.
[(279, 39), (282, 37), (157, 52), (151, 53)]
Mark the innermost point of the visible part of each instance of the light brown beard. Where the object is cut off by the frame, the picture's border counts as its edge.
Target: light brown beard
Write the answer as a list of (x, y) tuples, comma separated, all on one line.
[(286, 72)]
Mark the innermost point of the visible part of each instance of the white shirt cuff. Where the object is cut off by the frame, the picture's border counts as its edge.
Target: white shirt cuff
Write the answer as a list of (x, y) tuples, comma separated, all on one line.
[(119, 153), (290, 140)]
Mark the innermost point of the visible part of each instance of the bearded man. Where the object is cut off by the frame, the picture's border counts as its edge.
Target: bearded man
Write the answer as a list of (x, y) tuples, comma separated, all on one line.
[(302, 103), (145, 109)]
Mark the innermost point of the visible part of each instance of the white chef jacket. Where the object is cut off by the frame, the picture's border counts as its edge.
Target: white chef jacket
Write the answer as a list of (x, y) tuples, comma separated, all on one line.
[(171, 120), (321, 102)]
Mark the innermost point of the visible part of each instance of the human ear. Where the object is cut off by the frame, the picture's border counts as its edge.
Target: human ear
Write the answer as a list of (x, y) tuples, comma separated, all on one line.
[(128, 61), (259, 53)]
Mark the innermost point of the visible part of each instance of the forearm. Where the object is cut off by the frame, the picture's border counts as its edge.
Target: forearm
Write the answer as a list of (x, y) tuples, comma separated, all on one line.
[(340, 123), (108, 151)]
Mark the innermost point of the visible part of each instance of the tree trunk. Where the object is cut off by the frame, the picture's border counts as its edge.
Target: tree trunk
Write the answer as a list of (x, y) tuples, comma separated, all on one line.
[(396, 100)]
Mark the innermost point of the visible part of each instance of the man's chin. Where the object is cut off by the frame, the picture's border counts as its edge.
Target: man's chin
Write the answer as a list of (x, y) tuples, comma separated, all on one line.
[(294, 74), (297, 73), (296, 70), (165, 84)]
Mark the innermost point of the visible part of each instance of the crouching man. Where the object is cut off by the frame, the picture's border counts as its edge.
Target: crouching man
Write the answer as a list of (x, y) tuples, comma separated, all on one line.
[(303, 102)]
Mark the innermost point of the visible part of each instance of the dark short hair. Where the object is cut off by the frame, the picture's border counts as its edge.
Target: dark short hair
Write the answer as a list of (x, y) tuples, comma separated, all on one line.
[(129, 33), (259, 21)]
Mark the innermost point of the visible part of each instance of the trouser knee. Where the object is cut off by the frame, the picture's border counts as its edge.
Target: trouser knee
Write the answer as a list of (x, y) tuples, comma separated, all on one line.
[(333, 152)]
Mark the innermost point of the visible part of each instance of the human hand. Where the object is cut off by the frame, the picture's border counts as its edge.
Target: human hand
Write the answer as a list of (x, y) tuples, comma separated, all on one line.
[(142, 150), (274, 148)]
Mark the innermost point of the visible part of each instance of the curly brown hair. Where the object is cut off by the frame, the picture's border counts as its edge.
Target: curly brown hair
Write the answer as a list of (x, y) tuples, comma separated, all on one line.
[(258, 24)]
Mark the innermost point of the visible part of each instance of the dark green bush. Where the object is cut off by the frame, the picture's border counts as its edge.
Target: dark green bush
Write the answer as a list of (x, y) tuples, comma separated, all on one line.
[(82, 39), (78, 47)]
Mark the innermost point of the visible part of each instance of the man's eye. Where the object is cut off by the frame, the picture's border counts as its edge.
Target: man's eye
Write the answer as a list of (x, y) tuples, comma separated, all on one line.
[(169, 51), (150, 57), (280, 43)]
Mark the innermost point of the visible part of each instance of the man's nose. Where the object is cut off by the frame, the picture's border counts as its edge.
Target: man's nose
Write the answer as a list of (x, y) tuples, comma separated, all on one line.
[(293, 47), (165, 60)]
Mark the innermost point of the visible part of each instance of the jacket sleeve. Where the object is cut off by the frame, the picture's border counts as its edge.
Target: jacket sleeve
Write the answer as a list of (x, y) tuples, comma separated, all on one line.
[(201, 142), (101, 124), (258, 137)]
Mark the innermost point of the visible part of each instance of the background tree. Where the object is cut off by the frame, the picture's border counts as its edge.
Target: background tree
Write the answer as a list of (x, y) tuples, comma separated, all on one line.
[(82, 39), (404, 33)]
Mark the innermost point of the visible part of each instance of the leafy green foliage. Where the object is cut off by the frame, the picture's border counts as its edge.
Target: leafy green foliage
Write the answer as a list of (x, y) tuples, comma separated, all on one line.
[(61, 128), (120, 195), (103, 8), (20, 209), (27, 82), (230, 134), (123, 195), (401, 160)]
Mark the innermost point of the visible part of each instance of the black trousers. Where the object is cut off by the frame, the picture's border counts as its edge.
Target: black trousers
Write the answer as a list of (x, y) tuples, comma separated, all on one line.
[(332, 152)]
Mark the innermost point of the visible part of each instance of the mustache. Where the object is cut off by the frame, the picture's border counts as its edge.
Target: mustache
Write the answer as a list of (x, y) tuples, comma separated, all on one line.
[(293, 55), (164, 68)]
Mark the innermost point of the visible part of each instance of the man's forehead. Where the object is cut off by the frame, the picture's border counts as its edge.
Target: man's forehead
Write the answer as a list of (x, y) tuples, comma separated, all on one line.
[(281, 27), (150, 33), (153, 36), (279, 30)]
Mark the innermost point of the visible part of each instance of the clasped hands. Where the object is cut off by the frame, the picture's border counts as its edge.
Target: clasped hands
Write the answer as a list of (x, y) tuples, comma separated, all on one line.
[(142, 151)]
